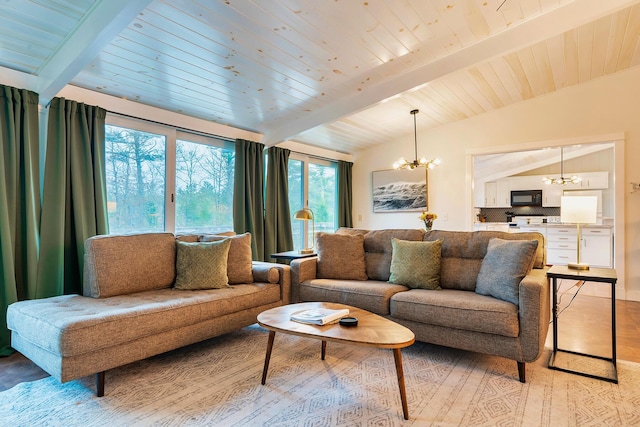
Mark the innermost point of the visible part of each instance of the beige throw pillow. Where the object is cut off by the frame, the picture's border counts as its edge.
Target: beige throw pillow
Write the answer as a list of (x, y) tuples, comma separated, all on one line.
[(341, 256), (416, 264), (239, 267), (202, 265)]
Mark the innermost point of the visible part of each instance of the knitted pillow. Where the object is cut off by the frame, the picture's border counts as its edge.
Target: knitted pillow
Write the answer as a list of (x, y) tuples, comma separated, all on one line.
[(202, 265), (416, 264)]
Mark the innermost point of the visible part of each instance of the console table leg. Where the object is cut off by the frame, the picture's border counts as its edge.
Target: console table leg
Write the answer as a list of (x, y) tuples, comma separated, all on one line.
[(397, 355), (267, 357), (323, 352)]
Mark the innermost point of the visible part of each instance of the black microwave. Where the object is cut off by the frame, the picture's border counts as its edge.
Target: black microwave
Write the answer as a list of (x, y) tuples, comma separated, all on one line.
[(526, 198)]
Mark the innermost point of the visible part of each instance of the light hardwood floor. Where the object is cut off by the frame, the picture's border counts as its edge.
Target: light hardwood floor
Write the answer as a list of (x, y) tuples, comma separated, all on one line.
[(585, 327)]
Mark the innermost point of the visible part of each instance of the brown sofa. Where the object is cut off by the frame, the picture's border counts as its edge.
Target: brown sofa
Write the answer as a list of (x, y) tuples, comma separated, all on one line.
[(455, 315), (131, 311)]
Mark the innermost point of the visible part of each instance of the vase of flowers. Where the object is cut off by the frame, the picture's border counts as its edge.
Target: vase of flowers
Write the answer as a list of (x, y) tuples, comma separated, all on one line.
[(428, 218)]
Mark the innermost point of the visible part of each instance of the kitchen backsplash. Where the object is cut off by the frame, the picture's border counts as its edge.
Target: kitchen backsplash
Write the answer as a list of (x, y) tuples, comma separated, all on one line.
[(499, 215)]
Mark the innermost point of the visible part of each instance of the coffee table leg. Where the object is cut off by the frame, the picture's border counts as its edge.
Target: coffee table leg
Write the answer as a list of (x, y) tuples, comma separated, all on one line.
[(323, 352), (397, 355), (267, 357)]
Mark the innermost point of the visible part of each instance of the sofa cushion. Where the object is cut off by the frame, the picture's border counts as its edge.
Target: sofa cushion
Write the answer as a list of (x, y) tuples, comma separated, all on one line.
[(378, 250), (504, 267), (70, 325), (124, 264), (202, 265), (457, 309), (370, 295), (463, 252), (340, 256), (416, 264), (239, 260)]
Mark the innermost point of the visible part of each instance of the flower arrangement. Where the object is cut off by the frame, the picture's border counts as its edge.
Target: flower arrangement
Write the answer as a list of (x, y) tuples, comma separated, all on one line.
[(428, 218)]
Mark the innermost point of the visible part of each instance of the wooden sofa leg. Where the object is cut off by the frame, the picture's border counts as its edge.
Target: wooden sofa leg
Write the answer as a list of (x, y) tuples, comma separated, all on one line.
[(521, 371), (100, 384)]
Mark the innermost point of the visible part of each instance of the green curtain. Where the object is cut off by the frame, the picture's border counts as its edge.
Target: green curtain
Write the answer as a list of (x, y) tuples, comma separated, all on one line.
[(19, 201), (74, 205), (345, 194), (248, 194), (277, 216)]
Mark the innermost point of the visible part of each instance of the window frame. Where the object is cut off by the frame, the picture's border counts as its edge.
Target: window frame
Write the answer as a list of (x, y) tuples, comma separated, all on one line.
[(172, 135), (306, 160)]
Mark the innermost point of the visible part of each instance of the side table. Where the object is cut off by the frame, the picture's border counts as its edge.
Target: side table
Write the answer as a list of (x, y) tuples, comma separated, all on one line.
[(289, 255), (601, 275)]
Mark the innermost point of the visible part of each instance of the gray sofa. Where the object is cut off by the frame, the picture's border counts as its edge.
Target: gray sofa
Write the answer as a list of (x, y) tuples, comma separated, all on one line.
[(130, 310), (455, 315)]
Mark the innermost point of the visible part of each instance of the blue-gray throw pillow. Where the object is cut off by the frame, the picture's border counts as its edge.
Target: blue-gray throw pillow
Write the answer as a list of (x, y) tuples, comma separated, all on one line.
[(504, 267)]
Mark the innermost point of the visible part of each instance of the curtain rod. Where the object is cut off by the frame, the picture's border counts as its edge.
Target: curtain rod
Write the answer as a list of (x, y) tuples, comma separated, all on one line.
[(128, 116)]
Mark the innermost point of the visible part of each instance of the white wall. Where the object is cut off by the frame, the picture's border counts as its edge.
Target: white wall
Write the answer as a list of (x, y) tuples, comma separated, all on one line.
[(608, 105)]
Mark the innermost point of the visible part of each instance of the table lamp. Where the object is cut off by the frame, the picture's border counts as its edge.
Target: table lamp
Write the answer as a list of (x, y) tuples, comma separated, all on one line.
[(306, 214), (578, 210)]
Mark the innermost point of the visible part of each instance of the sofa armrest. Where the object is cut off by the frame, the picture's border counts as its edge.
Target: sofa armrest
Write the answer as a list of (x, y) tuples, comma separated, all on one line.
[(534, 313), (302, 269), (269, 272)]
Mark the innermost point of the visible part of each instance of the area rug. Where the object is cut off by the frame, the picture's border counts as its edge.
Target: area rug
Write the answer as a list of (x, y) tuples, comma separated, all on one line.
[(217, 383)]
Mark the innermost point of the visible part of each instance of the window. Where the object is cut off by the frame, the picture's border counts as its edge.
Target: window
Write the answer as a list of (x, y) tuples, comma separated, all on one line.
[(321, 196), (162, 179), (204, 187), (135, 170)]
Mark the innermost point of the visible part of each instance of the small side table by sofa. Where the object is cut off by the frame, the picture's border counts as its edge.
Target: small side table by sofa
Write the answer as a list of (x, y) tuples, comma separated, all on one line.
[(289, 255), (600, 275)]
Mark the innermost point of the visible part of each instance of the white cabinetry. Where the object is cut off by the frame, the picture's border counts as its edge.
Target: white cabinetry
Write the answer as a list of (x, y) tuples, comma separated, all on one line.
[(551, 195), (596, 247), (590, 181), (562, 245), (497, 194)]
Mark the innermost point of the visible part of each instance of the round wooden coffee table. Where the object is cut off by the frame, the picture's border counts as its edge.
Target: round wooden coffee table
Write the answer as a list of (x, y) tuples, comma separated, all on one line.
[(372, 331)]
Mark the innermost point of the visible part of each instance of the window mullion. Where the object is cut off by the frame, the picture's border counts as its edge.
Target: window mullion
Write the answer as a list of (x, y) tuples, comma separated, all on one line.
[(170, 183)]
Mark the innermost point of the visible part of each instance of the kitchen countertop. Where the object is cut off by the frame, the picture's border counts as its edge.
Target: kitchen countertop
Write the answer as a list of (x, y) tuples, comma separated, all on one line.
[(546, 224)]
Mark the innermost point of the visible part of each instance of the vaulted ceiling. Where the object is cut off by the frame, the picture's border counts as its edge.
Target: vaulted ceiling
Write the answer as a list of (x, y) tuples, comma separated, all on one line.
[(336, 74)]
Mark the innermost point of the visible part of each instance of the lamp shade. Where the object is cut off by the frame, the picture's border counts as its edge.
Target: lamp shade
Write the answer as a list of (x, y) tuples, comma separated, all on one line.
[(579, 209), (303, 214)]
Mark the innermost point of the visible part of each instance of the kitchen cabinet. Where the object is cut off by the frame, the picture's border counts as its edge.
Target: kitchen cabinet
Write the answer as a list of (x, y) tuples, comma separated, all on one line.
[(552, 195), (497, 194), (595, 247), (590, 181), (562, 245)]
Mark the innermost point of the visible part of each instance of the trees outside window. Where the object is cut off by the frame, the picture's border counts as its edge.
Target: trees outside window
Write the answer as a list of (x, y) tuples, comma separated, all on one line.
[(315, 181), (162, 179), (135, 169), (204, 188)]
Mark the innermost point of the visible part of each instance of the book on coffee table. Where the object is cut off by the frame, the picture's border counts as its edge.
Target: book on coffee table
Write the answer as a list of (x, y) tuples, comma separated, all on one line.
[(319, 316)]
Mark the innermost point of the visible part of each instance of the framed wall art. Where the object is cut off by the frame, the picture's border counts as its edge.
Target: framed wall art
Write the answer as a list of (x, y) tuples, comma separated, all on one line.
[(399, 190)]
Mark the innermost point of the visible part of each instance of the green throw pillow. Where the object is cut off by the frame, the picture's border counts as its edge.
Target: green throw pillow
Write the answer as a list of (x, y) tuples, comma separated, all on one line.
[(416, 264), (504, 267), (202, 265)]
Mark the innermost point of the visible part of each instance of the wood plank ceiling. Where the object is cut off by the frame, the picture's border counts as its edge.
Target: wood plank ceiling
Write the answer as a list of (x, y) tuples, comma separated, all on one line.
[(341, 75)]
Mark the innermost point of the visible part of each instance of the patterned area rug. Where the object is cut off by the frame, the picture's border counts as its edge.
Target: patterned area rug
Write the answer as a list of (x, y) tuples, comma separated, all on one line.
[(217, 383)]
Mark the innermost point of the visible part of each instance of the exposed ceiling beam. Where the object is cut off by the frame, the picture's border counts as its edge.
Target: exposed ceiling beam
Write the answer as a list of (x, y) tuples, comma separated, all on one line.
[(104, 21), (558, 21)]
